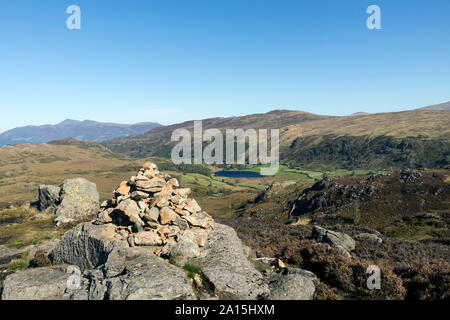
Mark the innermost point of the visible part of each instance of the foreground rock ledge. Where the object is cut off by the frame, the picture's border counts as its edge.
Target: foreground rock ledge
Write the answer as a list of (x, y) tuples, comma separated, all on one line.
[(124, 254)]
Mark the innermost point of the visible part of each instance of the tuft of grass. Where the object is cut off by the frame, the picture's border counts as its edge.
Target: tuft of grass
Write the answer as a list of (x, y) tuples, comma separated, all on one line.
[(192, 270), (20, 264)]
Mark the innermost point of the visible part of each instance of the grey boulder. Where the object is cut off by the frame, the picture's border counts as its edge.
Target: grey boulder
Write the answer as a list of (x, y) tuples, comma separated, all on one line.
[(79, 201), (226, 268), (292, 284), (87, 245), (369, 237), (338, 240), (48, 283), (48, 197)]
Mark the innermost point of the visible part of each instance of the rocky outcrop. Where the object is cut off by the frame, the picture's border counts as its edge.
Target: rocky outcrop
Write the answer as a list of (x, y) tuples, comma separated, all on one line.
[(79, 201), (335, 239), (292, 284), (225, 267)]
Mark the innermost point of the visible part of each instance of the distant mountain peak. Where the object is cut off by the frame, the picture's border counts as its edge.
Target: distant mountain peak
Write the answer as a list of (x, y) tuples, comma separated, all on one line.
[(82, 130)]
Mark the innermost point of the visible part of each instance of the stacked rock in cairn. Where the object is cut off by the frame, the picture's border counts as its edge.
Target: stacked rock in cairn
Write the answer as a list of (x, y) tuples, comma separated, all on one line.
[(152, 210)]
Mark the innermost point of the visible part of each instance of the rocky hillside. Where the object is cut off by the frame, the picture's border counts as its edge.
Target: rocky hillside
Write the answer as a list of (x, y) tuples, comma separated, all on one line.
[(399, 221), (407, 203), (418, 138), (81, 130)]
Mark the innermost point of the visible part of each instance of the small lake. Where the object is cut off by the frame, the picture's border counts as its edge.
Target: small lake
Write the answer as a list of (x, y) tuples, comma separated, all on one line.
[(238, 174)]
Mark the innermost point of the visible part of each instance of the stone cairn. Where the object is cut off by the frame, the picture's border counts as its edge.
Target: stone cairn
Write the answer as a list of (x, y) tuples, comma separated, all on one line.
[(150, 209)]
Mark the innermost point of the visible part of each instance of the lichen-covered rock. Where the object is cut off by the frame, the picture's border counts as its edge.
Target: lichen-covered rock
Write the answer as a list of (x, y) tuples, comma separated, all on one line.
[(79, 201), (225, 266), (292, 284), (87, 245)]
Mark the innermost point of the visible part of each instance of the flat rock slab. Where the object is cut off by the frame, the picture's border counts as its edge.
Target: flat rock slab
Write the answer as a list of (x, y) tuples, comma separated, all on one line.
[(225, 266), (138, 274), (48, 283)]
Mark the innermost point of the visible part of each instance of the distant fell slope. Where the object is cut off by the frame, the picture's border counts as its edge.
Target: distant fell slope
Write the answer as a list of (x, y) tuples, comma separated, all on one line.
[(157, 141), (438, 107), (81, 130), (417, 138)]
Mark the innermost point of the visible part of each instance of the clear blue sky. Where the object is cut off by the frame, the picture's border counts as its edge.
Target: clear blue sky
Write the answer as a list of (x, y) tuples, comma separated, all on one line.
[(170, 61)]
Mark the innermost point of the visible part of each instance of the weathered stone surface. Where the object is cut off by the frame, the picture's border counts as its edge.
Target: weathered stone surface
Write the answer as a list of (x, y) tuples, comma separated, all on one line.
[(160, 199), (149, 166), (192, 206), (130, 209), (46, 248), (338, 240), (104, 217), (225, 266), (79, 201), (138, 274), (48, 283), (197, 221), (292, 284), (184, 192), (149, 184), (139, 195), (152, 215), (123, 189), (182, 223), (183, 249), (48, 197), (174, 182), (87, 245), (7, 254), (201, 236), (147, 238), (370, 237), (167, 215)]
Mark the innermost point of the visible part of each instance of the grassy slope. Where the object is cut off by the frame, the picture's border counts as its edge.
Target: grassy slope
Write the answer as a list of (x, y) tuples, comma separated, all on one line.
[(385, 140)]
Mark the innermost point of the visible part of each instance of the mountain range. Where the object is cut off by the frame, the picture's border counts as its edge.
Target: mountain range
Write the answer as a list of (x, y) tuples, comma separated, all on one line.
[(80, 130)]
